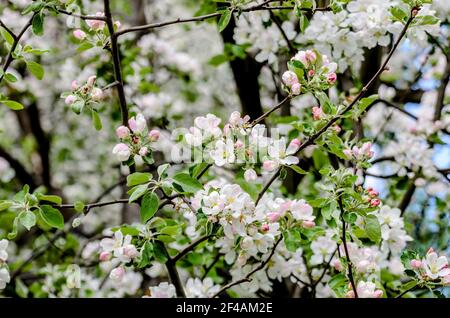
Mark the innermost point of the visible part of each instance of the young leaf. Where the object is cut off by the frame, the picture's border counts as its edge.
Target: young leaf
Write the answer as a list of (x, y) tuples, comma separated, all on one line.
[(138, 178), (188, 183), (224, 20), (149, 206), (27, 219), (10, 78), (13, 104), (36, 69), (49, 198), (137, 192), (298, 169), (96, 120), (373, 228), (52, 216), (38, 24)]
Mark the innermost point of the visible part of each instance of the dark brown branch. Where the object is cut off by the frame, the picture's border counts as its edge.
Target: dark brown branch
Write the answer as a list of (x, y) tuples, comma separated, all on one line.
[(10, 57), (247, 277), (190, 247), (8, 30), (344, 243), (116, 62), (83, 17)]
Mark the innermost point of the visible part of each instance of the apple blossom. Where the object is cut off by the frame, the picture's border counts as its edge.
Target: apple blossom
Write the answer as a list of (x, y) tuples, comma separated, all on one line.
[(154, 135), (250, 175), (163, 290), (97, 94), (296, 89), (143, 151), (122, 152), (122, 132), (4, 277), (96, 24), (289, 78), (91, 80), (3, 253), (117, 274), (70, 99), (317, 113), (79, 34)]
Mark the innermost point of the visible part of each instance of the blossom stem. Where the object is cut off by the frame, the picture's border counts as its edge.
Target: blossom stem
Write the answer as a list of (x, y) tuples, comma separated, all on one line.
[(247, 277), (407, 291), (344, 243), (16, 38)]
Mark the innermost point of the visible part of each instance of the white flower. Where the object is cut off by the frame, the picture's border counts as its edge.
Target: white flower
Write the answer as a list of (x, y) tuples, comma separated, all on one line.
[(278, 152), (4, 277), (122, 152), (367, 290), (223, 152), (120, 246), (302, 211), (3, 253), (195, 288), (435, 266), (163, 290), (250, 175)]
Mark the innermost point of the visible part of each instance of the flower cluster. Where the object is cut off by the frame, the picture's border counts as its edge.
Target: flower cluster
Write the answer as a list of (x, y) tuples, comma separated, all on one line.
[(84, 96), (96, 35), (362, 153), (309, 71), (393, 233), (118, 250), (136, 140), (365, 290), (432, 268)]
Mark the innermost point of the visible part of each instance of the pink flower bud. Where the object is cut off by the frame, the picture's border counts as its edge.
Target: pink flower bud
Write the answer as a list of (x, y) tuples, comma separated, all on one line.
[(331, 78), (104, 256), (308, 224), (154, 135), (79, 34), (337, 128), (238, 144), (117, 274), (143, 151), (269, 165), (416, 264), (289, 78), (348, 153), (350, 294), (378, 293), (132, 124), (273, 216), (91, 80), (122, 132), (296, 89), (430, 250), (336, 263), (235, 118), (250, 175), (311, 73), (265, 227), (96, 24), (122, 152), (375, 202), (317, 113), (96, 94), (293, 146), (310, 56), (74, 85), (226, 129), (70, 99)]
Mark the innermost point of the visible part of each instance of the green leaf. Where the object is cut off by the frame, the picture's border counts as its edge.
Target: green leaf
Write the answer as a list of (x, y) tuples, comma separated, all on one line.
[(162, 170), (84, 47), (36, 69), (298, 169), (224, 20), (304, 23), (373, 228), (96, 120), (425, 20), (138, 178), (399, 14), (21, 288), (146, 255), (79, 206), (10, 78), (27, 219), (137, 192), (149, 206), (52, 216), (218, 59), (188, 183), (38, 24), (49, 198), (4, 205), (11, 235), (13, 104), (160, 252), (8, 38)]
